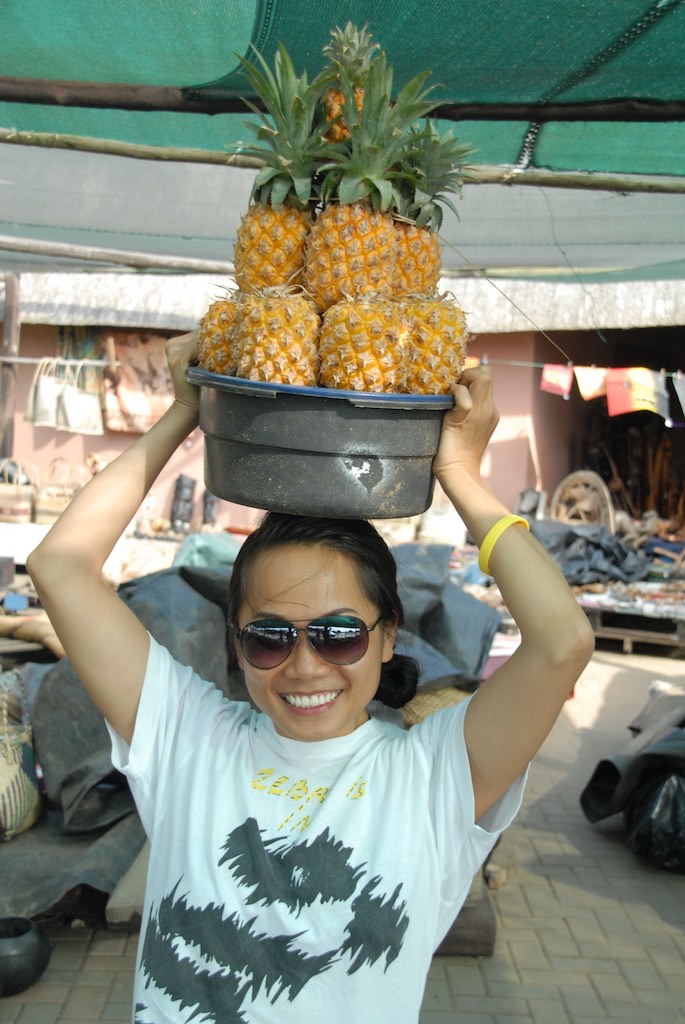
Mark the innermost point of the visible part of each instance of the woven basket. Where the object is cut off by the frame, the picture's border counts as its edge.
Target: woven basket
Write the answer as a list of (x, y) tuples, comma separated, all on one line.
[(61, 484), (20, 799), (16, 498)]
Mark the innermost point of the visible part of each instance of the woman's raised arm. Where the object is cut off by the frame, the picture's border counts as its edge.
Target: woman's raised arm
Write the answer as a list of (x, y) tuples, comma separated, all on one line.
[(515, 708), (103, 639)]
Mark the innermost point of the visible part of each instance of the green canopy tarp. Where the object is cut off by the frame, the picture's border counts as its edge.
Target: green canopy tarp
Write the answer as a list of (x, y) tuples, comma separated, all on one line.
[(553, 87), (579, 53)]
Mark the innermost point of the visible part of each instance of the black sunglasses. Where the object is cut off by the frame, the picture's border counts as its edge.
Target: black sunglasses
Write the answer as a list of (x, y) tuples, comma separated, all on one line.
[(338, 639)]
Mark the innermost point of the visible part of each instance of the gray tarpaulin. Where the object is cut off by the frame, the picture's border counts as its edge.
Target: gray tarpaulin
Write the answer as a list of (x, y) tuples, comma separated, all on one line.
[(658, 742), (587, 553)]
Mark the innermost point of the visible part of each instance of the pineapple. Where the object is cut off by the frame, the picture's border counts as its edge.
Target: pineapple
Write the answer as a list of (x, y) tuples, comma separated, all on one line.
[(362, 345), (270, 246), (352, 246), (383, 345), (436, 346), (432, 167), (418, 262), (277, 336), (216, 348), (351, 251), (350, 48), (270, 243)]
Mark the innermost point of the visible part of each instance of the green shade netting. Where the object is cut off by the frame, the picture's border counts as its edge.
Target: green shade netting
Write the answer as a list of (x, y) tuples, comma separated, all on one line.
[(477, 50), (486, 51)]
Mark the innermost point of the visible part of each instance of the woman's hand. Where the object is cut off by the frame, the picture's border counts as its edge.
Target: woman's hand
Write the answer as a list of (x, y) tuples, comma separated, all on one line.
[(180, 353), (468, 427)]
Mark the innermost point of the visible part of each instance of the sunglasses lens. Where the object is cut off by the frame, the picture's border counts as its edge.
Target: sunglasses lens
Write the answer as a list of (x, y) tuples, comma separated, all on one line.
[(267, 644), (339, 639)]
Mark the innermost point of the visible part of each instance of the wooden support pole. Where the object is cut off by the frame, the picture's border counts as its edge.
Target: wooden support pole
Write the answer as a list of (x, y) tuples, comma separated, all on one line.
[(8, 370), (89, 253), (474, 174)]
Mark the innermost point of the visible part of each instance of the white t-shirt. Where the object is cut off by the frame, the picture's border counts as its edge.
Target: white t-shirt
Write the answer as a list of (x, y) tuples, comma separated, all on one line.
[(294, 882)]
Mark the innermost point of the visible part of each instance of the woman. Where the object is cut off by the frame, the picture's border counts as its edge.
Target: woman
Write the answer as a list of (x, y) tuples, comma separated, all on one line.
[(306, 860)]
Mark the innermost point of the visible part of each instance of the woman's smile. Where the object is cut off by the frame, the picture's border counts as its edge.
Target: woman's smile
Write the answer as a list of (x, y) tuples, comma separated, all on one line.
[(311, 701)]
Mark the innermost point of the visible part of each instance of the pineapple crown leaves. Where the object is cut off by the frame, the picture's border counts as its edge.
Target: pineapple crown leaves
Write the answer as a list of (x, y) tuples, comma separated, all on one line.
[(366, 166), (352, 49), (430, 167), (288, 133)]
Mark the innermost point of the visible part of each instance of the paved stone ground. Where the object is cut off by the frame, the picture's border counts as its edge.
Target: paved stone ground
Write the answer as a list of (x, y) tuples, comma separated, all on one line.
[(586, 933)]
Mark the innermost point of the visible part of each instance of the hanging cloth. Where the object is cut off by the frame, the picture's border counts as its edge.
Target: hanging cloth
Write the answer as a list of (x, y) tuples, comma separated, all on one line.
[(591, 381), (636, 389), (557, 379)]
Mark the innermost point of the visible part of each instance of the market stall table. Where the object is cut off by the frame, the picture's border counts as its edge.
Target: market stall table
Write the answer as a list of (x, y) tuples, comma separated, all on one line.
[(646, 612)]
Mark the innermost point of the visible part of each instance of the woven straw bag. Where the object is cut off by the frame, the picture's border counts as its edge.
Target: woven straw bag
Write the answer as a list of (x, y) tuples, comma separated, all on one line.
[(62, 481), (427, 702), (20, 799), (16, 495)]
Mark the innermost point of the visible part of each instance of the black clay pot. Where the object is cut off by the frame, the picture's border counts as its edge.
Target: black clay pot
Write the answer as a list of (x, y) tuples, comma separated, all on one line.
[(24, 954)]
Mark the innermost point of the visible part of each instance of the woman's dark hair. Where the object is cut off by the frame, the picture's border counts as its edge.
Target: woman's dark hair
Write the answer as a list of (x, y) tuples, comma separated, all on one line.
[(376, 571)]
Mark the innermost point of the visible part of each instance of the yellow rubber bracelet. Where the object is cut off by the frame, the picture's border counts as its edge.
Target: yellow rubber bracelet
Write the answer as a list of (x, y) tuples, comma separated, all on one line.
[(491, 538)]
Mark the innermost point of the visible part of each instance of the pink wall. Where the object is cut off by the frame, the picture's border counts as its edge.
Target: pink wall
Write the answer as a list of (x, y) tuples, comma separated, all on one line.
[(511, 462), (40, 445), (538, 440)]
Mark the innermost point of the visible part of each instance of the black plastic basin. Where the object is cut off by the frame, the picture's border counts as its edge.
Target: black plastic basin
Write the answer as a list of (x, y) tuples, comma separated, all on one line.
[(316, 451)]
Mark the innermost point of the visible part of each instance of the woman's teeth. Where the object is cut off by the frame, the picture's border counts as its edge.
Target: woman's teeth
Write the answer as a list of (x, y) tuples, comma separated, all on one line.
[(315, 700)]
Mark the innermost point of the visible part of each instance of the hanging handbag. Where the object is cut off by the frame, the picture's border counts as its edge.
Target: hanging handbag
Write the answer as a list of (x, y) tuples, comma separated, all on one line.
[(20, 798), (79, 409), (44, 395), (16, 492), (140, 389)]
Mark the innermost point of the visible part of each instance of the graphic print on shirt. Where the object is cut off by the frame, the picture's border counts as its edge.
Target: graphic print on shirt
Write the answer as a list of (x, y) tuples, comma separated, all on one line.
[(214, 964)]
